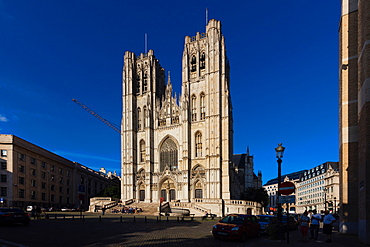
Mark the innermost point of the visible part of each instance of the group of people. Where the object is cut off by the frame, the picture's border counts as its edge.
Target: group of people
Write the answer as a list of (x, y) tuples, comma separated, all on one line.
[(311, 220), (124, 210)]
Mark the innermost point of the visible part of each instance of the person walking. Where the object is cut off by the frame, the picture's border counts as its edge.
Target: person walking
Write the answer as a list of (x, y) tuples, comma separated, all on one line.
[(315, 224), (103, 210), (304, 223), (328, 225)]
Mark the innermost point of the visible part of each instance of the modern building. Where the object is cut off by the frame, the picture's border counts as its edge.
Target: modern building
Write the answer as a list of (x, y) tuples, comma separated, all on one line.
[(180, 148), (31, 175), (354, 118), (272, 190), (318, 188)]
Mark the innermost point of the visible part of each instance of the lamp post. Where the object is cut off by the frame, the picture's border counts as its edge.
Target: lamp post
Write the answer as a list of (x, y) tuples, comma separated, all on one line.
[(279, 154), (335, 205)]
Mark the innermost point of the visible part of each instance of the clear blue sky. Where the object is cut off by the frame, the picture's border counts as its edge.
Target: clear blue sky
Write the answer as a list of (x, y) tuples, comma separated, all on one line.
[(283, 58)]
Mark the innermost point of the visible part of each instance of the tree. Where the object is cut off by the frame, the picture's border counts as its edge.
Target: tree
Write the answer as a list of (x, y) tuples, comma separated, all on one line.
[(112, 191), (257, 195)]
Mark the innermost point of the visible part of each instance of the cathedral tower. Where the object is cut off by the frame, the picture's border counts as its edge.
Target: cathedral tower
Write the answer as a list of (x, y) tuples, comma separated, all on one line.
[(178, 148)]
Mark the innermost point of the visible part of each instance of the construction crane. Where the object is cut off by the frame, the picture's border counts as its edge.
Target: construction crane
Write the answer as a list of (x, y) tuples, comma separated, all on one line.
[(113, 126)]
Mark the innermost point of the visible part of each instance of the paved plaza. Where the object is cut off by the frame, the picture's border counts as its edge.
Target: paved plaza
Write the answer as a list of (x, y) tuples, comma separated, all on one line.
[(112, 230)]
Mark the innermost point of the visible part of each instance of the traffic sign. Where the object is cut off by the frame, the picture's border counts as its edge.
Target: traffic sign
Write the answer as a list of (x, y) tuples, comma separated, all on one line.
[(286, 199), (286, 188)]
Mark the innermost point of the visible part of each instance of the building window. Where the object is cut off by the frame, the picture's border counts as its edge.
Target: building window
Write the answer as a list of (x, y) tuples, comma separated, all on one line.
[(33, 172), (145, 82), (33, 194), (43, 164), (43, 185), (142, 151), (3, 166), (3, 178), (21, 180), (82, 180), (139, 118), (33, 183), (52, 168), (144, 117), (60, 189), (202, 64), (60, 180), (60, 199), (193, 64), (68, 190), (21, 193), (52, 198), (193, 108), (168, 155), (202, 107), (52, 178), (43, 196), (52, 187), (68, 181), (21, 157), (60, 170), (68, 173), (138, 78), (4, 153), (33, 161), (21, 168), (198, 144), (4, 191), (43, 174)]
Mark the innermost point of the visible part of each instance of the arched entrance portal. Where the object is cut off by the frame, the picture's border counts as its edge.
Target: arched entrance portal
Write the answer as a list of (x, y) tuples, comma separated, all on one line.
[(168, 191)]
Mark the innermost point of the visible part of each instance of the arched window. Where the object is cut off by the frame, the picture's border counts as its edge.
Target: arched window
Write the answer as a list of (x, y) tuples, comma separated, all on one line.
[(139, 118), (202, 64), (142, 151), (168, 155), (193, 63), (144, 117), (138, 83), (145, 82), (202, 106), (193, 108), (198, 144)]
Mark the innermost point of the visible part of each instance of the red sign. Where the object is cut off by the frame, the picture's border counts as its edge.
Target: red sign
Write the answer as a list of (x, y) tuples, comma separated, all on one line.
[(286, 188), (161, 199)]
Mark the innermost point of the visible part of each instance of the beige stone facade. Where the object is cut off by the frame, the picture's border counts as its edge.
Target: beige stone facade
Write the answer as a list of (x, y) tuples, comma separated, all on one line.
[(31, 175), (354, 81), (179, 148)]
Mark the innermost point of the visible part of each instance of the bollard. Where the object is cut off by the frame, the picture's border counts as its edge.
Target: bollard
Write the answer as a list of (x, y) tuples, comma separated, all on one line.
[(145, 218), (99, 218), (47, 216), (178, 219), (55, 216), (73, 217), (167, 218), (157, 218), (134, 219), (121, 218), (83, 217), (64, 217)]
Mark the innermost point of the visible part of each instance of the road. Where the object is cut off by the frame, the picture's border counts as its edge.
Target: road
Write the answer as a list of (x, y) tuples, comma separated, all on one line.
[(112, 231)]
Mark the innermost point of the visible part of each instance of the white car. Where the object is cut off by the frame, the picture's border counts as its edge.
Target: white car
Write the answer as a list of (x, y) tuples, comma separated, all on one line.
[(66, 209)]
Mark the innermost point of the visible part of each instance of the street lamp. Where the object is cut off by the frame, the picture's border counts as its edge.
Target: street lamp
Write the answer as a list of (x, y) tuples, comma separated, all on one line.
[(279, 154), (335, 205)]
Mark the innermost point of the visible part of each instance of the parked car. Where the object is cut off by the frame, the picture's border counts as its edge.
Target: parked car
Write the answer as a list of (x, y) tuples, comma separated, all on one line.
[(65, 209), (13, 216), (265, 221), (237, 226)]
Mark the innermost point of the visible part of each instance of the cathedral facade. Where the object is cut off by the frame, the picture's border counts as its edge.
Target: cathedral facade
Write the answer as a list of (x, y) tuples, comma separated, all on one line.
[(179, 149)]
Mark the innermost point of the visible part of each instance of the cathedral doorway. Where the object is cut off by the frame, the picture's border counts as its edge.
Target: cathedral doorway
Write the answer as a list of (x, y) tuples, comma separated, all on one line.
[(168, 191), (198, 193), (142, 195)]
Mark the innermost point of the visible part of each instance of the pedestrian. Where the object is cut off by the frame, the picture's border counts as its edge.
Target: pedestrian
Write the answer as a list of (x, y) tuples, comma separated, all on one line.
[(38, 212), (103, 210), (304, 223), (328, 225), (315, 224)]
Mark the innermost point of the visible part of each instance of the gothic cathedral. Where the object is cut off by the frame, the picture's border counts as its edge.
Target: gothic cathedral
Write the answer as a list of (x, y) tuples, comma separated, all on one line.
[(179, 149)]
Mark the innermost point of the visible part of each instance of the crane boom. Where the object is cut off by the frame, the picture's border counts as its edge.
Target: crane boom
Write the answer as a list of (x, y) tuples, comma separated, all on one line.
[(97, 115)]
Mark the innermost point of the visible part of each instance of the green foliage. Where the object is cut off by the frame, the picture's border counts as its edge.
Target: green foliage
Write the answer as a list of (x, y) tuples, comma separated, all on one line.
[(113, 191), (257, 195)]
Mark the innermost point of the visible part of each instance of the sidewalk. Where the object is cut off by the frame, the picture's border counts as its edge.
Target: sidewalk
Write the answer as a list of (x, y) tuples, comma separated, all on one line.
[(295, 239)]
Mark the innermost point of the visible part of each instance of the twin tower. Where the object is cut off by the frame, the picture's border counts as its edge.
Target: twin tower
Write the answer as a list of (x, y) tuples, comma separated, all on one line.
[(178, 149)]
